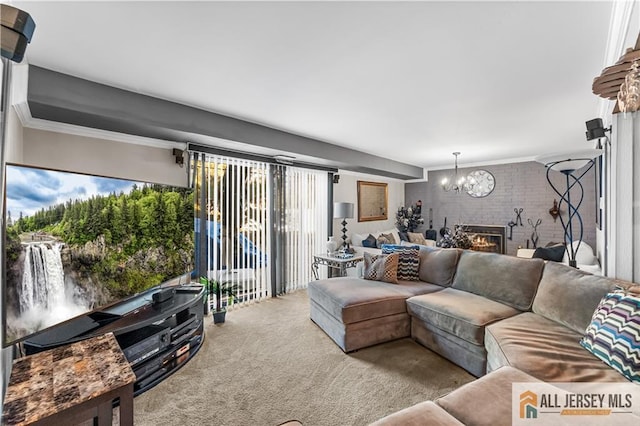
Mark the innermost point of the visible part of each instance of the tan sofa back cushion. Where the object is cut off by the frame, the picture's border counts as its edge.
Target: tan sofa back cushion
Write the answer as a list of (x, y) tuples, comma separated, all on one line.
[(570, 296), (505, 279), (437, 265)]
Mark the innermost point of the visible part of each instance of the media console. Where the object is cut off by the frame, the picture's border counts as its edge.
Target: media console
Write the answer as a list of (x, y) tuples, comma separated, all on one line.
[(158, 330)]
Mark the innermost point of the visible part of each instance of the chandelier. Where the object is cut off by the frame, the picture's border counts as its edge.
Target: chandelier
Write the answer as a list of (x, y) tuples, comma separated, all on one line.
[(457, 183)]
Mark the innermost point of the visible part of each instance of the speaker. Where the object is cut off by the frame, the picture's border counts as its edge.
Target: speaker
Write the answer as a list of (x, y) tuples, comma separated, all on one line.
[(595, 129), (163, 295), (15, 33)]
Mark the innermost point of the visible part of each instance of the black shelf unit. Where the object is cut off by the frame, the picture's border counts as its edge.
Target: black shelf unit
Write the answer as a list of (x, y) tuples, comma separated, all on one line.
[(157, 337)]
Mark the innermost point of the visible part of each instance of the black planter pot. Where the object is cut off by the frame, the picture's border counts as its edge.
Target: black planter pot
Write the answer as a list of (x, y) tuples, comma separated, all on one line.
[(219, 316)]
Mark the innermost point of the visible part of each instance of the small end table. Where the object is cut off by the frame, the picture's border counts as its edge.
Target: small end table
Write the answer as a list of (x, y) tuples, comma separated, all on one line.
[(334, 261), (71, 384)]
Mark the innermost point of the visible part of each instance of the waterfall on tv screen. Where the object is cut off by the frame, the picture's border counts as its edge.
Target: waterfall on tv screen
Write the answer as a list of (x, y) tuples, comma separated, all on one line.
[(44, 299)]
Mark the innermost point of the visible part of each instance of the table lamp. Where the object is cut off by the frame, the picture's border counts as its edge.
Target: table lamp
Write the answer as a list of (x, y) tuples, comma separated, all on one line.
[(343, 211)]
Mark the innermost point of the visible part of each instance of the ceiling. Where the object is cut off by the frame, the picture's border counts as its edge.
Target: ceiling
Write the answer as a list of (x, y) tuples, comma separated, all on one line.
[(407, 81)]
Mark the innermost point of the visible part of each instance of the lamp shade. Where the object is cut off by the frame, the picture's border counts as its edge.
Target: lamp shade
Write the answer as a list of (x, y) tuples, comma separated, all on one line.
[(343, 210), (574, 160)]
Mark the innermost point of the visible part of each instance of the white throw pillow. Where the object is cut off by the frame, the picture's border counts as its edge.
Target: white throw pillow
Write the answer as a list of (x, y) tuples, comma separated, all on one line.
[(584, 255), (356, 239)]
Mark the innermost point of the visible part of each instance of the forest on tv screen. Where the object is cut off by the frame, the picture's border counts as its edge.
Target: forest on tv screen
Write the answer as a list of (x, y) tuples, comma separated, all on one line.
[(122, 243)]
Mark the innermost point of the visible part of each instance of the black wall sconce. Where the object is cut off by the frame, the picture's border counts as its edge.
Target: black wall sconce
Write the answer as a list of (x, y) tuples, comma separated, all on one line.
[(336, 178)]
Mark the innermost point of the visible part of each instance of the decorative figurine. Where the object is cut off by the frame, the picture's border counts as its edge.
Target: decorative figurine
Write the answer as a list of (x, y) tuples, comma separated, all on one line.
[(518, 215), (534, 234), (554, 211), (511, 224)]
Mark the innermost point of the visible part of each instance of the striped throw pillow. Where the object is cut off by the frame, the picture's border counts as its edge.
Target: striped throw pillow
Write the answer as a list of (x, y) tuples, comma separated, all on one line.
[(614, 333), (408, 261)]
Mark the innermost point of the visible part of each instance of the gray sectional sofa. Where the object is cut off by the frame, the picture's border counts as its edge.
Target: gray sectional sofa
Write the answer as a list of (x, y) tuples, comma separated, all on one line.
[(511, 317)]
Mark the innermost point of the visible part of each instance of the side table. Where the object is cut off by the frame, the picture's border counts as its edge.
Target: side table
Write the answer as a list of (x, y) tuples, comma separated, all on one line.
[(335, 262), (71, 384)]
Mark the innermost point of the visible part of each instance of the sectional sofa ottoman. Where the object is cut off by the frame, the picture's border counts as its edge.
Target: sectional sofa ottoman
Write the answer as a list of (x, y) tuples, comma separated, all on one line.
[(357, 313), (488, 313)]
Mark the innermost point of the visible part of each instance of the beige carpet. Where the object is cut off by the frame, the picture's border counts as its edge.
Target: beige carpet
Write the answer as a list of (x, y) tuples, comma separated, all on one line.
[(270, 363)]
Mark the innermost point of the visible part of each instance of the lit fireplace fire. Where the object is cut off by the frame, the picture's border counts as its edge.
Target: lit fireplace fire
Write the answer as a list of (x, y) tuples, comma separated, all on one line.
[(479, 241), (489, 238)]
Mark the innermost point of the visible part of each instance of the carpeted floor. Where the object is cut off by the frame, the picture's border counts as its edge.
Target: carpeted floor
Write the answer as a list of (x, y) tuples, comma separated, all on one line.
[(270, 363)]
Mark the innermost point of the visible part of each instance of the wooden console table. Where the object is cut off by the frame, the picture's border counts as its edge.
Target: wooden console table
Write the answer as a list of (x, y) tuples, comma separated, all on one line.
[(71, 384)]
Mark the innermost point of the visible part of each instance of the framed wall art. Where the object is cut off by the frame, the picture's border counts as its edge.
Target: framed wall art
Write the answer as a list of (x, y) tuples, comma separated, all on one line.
[(372, 201)]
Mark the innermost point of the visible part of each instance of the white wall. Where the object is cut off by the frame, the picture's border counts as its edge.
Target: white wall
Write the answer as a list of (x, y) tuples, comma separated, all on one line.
[(624, 220), (621, 239), (347, 191), (12, 149), (101, 157)]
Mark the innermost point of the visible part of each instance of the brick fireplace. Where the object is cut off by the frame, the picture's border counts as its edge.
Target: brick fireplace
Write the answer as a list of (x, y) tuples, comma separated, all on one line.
[(488, 238)]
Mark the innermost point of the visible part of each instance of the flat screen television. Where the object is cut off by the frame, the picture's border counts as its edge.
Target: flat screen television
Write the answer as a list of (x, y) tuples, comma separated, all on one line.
[(75, 243)]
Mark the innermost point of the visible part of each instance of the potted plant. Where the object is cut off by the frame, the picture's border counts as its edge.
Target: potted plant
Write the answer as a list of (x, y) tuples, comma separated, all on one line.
[(205, 298), (226, 288)]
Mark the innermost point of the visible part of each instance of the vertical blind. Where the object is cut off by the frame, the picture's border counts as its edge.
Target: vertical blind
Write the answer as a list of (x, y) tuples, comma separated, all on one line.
[(305, 233), (237, 223), (250, 231)]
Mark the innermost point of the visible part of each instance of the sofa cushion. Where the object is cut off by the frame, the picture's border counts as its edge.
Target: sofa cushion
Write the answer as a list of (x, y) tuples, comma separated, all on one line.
[(472, 358), (562, 287), (408, 260), (505, 279), (382, 267), (351, 299), (614, 333), (438, 266), (460, 313), (424, 413), (545, 349), (486, 401)]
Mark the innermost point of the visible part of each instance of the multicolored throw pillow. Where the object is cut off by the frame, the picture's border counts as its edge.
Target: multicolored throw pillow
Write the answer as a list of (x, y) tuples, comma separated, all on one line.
[(381, 267), (409, 260), (614, 333)]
